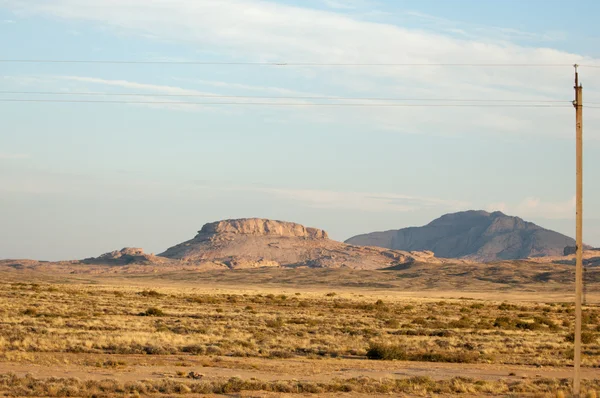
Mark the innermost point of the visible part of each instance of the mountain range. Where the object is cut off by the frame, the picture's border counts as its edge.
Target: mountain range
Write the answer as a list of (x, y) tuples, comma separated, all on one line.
[(465, 238), (255, 242), (244, 244), (473, 235)]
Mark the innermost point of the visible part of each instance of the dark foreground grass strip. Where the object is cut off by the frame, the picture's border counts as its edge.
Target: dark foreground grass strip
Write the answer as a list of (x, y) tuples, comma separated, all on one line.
[(27, 386)]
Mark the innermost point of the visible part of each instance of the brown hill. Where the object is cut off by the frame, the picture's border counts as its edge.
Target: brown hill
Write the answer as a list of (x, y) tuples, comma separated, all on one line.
[(240, 244), (473, 235), (292, 255), (591, 258), (251, 243), (126, 256)]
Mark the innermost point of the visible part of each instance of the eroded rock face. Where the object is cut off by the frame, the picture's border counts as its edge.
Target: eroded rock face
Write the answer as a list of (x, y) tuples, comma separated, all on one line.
[(128, 251), (259, 243), (472, 235), (244, 263), (262, 227), (128, 255), (248, 244)]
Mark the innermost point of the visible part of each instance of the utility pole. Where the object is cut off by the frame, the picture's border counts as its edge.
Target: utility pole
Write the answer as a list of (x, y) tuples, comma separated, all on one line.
[(578, 103)]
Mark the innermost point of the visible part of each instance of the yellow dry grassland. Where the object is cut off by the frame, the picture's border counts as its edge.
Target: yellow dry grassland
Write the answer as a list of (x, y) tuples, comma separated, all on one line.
[(85, 340)]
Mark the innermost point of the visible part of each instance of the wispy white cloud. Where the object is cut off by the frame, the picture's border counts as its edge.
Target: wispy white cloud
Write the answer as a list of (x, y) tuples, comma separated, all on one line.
[(7, 21), (395, 119), (476, 31), (23, 80), (247, 87), (144, 89), (14, 156), (346, 200), (346, 4), (53, 183), (258, 30), (130, 85), (152, 95), (149, 89)]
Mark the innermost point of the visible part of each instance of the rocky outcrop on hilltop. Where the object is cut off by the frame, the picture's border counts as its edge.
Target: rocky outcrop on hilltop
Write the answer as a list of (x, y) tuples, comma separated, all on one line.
[(250, 243), (242, 244), (262, 227), (124, 256)]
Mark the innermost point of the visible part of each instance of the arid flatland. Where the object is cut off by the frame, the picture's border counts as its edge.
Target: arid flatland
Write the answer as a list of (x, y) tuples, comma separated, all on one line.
[(173, 334)]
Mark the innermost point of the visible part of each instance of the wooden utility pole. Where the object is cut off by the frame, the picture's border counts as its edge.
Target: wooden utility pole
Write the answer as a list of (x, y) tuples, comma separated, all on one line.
[(578, 103)]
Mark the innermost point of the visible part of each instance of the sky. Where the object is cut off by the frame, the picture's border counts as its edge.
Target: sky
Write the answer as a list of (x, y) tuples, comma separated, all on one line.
[(78, 179)]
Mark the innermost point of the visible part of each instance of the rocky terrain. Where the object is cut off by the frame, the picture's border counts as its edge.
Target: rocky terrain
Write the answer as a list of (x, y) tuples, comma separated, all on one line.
[(128, 255), (252, 243), (247, 244), (473, 235), (242, 244), (591, 258), (268, 253)]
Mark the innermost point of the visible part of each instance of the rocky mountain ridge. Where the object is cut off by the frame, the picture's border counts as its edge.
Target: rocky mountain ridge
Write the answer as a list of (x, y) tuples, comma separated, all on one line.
[(262, 227), (261, 243), (243, 244), (250, 243), (473, 235), (125, 256)]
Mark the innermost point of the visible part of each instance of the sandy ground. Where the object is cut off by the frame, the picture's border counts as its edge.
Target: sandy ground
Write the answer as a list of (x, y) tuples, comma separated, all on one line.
[(140, 367)]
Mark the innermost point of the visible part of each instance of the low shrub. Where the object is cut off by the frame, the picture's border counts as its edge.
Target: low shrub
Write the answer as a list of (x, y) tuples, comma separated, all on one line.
[(195, 349), (386, 352), (281, 354), (586, 337), (150, 293), (382, 351), (153, 311), (275, 323)]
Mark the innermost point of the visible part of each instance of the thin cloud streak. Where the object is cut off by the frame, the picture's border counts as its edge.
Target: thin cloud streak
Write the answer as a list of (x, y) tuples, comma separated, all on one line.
[(360, 201), (14, 156), (256, 30), (47, 183)]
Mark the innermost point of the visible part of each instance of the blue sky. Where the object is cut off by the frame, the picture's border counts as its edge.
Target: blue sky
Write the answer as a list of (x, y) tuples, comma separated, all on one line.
[(80, 179)]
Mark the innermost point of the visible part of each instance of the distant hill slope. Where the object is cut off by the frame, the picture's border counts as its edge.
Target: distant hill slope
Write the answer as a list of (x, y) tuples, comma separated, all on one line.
[(474, 235), (241, 244), (253, 242)]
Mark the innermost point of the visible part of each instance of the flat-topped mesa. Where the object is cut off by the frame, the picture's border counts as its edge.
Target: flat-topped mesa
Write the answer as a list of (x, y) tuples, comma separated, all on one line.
[(262, 227)]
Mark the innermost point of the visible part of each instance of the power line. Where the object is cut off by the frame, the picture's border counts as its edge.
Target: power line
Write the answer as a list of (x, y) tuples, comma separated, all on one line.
[(331, 98), (281, 104), (221, 63)]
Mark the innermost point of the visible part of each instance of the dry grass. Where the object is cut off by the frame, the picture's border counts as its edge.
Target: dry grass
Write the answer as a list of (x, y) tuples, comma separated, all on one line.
[(53, 318), (415, 386), (45, 318)]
